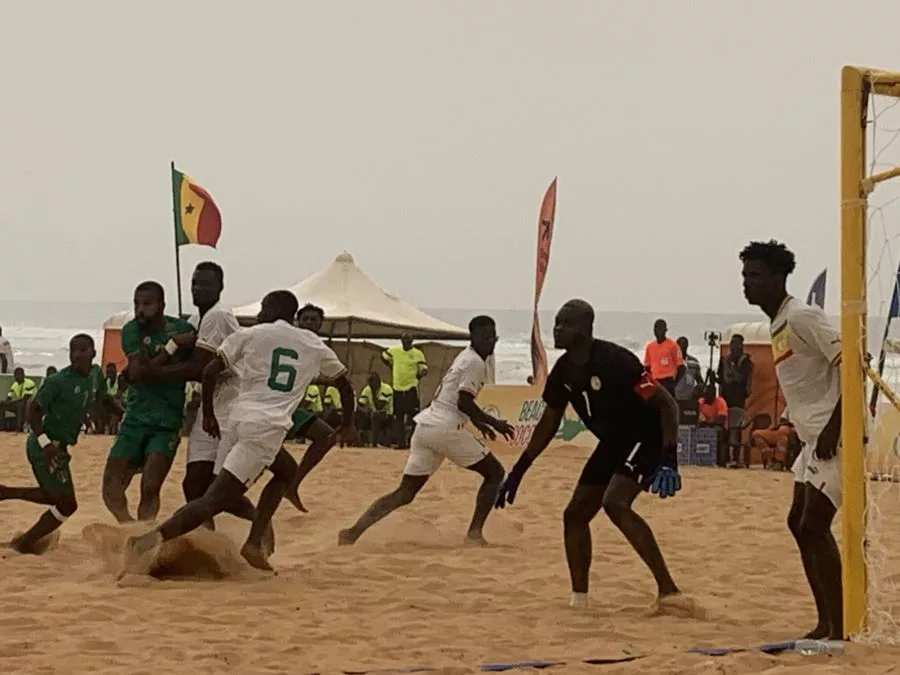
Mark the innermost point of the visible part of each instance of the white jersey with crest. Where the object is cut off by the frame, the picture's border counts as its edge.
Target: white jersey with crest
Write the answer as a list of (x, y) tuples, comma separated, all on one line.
[(467, 373), (274, 363), (212, 329)]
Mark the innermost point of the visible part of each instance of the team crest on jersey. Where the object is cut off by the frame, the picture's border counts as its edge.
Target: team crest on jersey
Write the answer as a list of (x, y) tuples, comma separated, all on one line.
[(147, 340), (595, 383), (781, 344), (78, 389)]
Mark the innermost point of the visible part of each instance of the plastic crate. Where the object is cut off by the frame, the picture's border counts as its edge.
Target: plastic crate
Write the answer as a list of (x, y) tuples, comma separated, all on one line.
[(685, 436), (704, 447)]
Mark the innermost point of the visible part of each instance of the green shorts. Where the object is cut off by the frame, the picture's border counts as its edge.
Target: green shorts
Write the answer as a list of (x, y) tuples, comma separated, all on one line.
[(302, 419), (56, 481), (135, 442)]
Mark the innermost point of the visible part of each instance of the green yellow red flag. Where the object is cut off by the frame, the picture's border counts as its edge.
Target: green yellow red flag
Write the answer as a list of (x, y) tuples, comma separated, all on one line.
[(197, 218)]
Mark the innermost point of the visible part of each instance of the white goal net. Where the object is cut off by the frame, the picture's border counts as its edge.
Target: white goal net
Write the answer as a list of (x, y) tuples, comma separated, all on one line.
[(882, 549)]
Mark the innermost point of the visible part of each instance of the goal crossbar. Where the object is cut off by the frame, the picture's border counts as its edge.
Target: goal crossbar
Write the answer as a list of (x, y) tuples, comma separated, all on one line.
[(857, 84)]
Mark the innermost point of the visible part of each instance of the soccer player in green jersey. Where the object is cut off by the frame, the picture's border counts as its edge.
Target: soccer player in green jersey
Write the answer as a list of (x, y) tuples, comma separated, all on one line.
[(149, 433), (56, 415)]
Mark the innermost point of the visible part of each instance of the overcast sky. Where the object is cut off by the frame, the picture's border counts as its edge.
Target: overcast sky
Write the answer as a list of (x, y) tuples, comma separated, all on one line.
[(421, 135)]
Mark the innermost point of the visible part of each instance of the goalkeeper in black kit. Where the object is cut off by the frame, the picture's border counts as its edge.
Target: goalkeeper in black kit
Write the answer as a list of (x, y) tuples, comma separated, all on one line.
[(636, 422)]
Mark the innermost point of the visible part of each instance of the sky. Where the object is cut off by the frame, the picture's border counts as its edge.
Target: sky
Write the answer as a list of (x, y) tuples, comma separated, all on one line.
[(420, 136)]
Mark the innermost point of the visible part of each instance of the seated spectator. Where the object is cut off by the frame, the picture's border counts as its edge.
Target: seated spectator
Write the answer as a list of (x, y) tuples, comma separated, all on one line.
[(711, 408), (712, 411), (375, 412), (774, 442), (13, 408)]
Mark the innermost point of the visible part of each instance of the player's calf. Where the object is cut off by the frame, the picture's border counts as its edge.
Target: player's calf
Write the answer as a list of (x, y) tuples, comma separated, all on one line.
[(403, 496), (116, 477), (492, 474), (617, 502), (198, 476)]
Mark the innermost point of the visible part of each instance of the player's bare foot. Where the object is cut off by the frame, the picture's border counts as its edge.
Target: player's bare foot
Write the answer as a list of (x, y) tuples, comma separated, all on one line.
[(18, 546), (820, 632), (140, 552), (267, 545), (475, 539), (293, 496), (255, 557), (677, 604), (346, 538)]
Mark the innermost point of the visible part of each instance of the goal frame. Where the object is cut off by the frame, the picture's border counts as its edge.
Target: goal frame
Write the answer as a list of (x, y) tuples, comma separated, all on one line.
[(857, 84)]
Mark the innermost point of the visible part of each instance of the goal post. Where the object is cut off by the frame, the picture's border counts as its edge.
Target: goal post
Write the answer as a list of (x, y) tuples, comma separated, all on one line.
[(857, 86)]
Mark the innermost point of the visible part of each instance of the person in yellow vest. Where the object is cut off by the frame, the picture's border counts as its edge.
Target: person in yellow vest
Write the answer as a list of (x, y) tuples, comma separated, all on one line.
[(113, 390), (332, 408), (375, 412), (313, 400), (407, 368), (20, 393)]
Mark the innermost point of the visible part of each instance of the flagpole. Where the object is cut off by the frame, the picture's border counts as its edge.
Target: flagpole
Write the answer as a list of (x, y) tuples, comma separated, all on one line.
[(175, 233)]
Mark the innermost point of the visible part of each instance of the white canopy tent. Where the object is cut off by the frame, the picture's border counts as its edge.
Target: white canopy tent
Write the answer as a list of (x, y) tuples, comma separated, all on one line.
[(356, 307)]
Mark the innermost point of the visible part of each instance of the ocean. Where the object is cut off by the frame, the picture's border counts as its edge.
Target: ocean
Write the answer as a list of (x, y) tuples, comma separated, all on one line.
[(39, 331)]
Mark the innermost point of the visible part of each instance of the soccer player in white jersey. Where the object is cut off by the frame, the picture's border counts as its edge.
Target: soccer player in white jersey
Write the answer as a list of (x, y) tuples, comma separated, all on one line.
[(806, 349), (213, 324), (440, 432), (274, 363)]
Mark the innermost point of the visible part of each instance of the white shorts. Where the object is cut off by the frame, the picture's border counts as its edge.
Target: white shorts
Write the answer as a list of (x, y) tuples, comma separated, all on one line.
[(430, 444), (824, 475), (247, 449), (201, 446)]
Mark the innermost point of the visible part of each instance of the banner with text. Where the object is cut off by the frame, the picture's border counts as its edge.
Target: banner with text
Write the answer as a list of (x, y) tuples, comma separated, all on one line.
[(522, 407)]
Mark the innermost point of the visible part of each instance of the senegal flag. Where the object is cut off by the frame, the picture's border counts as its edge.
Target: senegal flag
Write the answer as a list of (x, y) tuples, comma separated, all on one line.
[(197, 218)]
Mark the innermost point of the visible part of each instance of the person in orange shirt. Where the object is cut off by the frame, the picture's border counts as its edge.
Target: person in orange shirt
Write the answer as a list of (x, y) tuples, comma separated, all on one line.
[(773, 443), (711, 408), (663, 358)]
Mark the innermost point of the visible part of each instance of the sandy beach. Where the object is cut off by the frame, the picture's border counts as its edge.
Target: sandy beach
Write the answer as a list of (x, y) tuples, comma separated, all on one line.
[(409, 594)]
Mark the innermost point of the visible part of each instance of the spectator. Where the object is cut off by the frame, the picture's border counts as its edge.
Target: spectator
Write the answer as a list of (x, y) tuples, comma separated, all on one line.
[(332, 408), (689, 387), (734, 377), (713, 412), (7, 365), (113, 389), (51, 370), (375, 411), (407, 368), (663, 358), (711, 408), (774, 443), (20, 393)]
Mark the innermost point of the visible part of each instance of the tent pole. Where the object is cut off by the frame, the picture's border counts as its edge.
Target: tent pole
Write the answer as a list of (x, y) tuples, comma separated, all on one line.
[(349, 348)]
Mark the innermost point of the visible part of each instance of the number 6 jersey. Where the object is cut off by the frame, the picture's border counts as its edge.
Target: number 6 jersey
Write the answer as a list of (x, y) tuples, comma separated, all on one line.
[(274, 363)]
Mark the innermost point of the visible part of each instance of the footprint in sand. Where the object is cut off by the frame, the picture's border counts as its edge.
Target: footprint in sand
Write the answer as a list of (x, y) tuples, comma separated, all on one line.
[(680, 605)]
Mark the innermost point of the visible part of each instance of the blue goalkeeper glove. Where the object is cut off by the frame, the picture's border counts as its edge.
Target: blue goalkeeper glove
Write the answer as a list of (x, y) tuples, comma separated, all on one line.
[(510, 485), (666, 480)]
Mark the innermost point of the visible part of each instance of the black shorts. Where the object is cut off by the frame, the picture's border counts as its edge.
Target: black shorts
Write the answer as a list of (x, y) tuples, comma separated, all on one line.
[(637, 460), (406, 402)]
